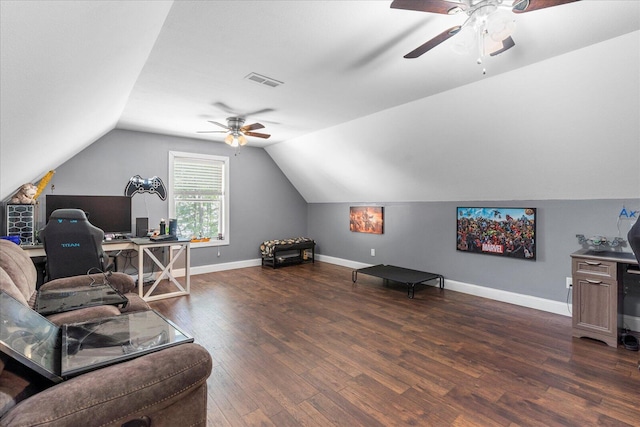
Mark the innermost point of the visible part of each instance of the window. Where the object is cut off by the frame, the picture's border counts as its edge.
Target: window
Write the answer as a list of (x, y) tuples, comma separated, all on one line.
[(199, 195)]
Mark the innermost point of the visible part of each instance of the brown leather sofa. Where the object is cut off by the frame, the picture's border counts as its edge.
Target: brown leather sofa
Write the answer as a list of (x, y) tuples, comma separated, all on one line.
[(165, 388)]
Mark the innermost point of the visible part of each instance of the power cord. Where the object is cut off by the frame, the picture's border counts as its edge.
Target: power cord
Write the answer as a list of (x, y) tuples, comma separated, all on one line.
[(96, 270)]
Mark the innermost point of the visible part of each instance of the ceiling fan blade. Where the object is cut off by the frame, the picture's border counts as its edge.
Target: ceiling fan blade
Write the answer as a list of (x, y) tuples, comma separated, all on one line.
[(433, 6), (211, 131), (224, 107), (434, 42), (252, 127), (257, 112), (507, 44), (522, 6), (219, 124), (258, 135)]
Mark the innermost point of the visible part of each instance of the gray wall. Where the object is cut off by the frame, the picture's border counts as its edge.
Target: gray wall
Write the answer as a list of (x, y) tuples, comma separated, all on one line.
[(423, 236), (263, 205), (420, 235)]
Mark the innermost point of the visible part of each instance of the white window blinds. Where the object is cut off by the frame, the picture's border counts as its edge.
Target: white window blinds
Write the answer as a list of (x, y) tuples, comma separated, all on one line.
[(198, 179)]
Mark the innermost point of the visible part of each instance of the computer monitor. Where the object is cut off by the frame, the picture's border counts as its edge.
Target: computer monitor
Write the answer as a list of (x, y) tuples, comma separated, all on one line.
[(112, 214)]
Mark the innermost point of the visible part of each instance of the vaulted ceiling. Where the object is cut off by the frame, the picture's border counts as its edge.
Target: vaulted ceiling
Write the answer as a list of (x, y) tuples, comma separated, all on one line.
[(72, 71)]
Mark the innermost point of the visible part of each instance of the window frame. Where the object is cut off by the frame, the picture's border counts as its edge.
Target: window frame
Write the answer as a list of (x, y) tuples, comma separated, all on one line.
[(225, 221)]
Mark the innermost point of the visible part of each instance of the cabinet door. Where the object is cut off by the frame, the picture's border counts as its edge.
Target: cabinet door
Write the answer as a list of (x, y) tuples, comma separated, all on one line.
[(595, 305)]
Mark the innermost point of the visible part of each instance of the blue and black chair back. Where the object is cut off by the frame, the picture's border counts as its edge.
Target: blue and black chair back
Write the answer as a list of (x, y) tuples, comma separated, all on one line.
[(72, 244)]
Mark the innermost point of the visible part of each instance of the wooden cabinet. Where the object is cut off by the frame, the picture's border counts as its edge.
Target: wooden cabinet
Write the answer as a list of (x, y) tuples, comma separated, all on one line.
[(597, 298)]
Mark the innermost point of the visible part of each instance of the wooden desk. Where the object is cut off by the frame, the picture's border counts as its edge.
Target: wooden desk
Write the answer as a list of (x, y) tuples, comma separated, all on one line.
[(144, 248), (108, 246), (598, 293)]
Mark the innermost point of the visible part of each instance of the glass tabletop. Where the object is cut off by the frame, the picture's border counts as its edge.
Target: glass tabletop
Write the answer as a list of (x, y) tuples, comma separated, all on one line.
[(90, 345), (29, 338), (58, 300)]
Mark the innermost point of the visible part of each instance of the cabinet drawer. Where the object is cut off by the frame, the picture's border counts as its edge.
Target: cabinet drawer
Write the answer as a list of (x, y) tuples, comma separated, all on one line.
[(594, 267)]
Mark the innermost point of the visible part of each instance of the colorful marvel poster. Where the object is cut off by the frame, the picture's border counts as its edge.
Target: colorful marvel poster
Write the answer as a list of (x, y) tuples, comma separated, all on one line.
[(508, 232)]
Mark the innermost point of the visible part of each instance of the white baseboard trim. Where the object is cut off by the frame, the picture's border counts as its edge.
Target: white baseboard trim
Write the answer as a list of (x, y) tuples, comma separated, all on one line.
[(537, 303), (529, 301), (481, 291), (212, 268), (342, 262)]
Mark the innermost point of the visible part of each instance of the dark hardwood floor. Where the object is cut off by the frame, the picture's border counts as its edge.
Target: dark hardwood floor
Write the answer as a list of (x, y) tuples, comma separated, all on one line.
[(304, 346)]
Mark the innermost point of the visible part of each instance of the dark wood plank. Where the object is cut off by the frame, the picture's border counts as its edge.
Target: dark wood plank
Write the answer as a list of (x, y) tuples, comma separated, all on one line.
[(303, 345)]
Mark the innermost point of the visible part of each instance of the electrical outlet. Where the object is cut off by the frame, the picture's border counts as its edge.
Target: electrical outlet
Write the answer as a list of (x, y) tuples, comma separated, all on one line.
[(373, 252), (569, 282)]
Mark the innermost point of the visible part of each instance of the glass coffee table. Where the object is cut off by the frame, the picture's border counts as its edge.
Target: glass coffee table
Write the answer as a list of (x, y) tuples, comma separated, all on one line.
[(61, 352), (59, 300), (94, 344)]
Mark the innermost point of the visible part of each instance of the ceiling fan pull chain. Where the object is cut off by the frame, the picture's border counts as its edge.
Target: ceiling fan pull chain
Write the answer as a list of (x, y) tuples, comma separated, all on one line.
[(481, 49)]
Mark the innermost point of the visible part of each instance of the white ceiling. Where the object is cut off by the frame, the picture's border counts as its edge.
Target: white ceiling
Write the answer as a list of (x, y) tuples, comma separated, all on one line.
[(338, 60), (72, 71)]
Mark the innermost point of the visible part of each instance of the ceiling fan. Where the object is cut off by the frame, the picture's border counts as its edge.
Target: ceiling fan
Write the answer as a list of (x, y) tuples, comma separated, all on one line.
[(237, 131), (488, 26)]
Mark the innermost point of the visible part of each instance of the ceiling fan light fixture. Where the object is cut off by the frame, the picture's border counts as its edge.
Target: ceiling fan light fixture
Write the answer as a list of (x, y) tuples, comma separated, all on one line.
[(465, 41), (238, 132), (500, 25), (490, 45)]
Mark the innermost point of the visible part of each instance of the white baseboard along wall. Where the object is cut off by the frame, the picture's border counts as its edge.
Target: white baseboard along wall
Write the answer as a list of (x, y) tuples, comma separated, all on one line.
[(528, 301)]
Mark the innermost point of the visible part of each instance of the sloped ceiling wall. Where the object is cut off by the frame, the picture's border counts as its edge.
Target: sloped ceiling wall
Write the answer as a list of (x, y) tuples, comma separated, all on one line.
[(564, 128), (76, 69)]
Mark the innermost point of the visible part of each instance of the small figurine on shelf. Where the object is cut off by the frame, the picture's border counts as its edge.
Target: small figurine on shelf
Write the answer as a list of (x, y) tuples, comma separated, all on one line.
[(28, 193), (25, 195), (600, 243)]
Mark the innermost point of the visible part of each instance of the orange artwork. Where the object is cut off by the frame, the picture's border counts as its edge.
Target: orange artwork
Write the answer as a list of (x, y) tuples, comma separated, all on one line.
[(366, 219)]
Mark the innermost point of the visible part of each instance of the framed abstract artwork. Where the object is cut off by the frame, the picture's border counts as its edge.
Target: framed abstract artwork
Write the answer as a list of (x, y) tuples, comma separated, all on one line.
[(366, 219)]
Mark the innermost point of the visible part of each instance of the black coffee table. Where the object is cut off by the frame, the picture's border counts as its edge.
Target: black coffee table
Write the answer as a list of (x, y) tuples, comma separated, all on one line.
[(399, 274)]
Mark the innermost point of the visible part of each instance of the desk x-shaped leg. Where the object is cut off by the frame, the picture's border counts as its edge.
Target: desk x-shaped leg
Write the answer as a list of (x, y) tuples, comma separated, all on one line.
[(165, 273)]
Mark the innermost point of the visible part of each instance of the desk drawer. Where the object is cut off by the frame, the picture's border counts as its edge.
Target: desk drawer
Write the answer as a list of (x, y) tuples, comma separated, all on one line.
[(594, 267)]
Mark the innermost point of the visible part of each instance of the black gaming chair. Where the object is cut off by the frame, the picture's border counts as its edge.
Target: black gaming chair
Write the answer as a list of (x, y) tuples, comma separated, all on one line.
[(73, 245), (634, 239)]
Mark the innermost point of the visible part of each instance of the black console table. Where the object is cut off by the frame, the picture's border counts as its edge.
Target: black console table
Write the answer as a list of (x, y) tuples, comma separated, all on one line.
[(399, 274)]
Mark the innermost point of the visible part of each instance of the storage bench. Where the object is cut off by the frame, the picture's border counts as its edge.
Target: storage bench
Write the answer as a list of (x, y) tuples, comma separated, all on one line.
[(281, 252)]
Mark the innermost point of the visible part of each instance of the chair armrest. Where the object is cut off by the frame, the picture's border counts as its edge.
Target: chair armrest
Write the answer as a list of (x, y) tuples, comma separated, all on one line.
[(84, 314), (111, 396), (120, 281)]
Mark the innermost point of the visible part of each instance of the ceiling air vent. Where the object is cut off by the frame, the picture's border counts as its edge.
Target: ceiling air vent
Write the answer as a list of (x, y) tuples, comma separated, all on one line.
[(263, 80)]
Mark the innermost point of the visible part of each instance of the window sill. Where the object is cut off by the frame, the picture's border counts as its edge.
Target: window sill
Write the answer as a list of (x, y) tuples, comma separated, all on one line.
[(210, 243)]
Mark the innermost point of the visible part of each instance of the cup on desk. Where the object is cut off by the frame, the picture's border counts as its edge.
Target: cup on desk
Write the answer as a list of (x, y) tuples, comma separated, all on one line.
[(173, 227)]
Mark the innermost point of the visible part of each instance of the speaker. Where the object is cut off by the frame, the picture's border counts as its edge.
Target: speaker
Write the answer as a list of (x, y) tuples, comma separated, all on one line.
[(173, 227), (142, 227)]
